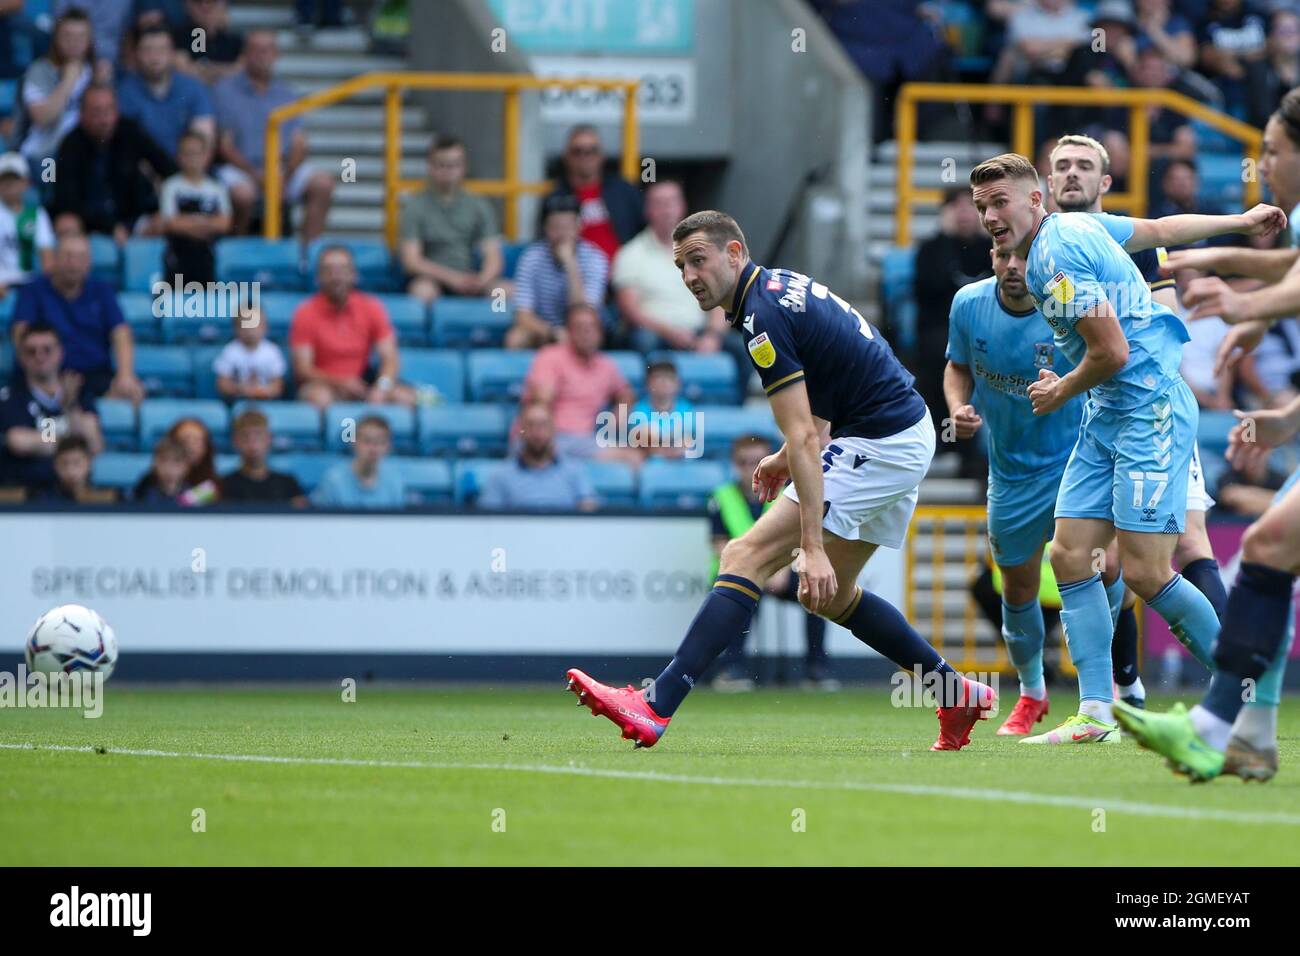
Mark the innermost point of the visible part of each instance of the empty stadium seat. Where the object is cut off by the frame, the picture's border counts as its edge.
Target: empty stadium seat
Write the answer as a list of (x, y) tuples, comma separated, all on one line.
[(117, 424), (105, 260), (142, 263), (465, 430), (632, 365), (470, 476), (277, 310), (165, 370), (409, 316), (307, 466), (121, 470), (497, 375), (897, 273), (717, 426), (197, 317), (205, 376), (510, 253), (6, 359), (400, 420), (462, 322), (428, 482), (137, 309), (272, 263), (679, 484), (706, 376), (615, 483), (157, 415), (295, 426), (376, 270), (441, 370)]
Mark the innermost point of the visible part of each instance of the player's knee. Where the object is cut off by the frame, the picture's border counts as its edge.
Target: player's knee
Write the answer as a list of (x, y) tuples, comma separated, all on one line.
[(1266, 542), (1070, 562), (1146, 580), (737, 557)]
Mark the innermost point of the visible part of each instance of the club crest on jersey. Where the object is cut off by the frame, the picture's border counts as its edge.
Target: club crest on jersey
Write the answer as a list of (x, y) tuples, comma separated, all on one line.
[(760, 347), (1061, 288), (1043, 352)]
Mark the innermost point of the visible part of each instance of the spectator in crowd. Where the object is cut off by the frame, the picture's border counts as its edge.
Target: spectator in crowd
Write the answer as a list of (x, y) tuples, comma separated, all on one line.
[(1271, 77), (100, 175), (649, 290), (26, 236), (609, 207), (253, 480), (332, 335), (368, 481), (15, 23), (206, 47), (164, 102), (109, 22), (1170, 133), (653, 426), (536, 477), (1231, 37), (250, 366), (243, 101), (72, 461), (40, 406), (194, 211), (1165, 31), (1277, 362), (1248, 488), (957, 255), (97, 342), (576, 382), (733, 509), (444, 226), (164, 483), (555, 272), (1109, 64), (53, 86), (319, 13), (1179, 193), (1041, 35), (201, 458)]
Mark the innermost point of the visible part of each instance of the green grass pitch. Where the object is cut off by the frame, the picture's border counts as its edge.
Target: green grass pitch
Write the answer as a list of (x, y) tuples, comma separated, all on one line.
[(428, 776)]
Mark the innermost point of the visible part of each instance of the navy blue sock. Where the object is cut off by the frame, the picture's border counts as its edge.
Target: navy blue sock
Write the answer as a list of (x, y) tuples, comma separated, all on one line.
[(879, 625), (1224, 697), (721, 619), (1124, 648), (1205, 577)]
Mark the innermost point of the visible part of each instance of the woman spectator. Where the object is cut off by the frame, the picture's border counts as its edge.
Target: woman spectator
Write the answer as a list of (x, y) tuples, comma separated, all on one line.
[(52, 88), (1269, 79), (200, 455)]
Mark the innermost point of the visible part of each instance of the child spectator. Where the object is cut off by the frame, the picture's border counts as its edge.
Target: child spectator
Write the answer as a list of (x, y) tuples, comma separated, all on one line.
[(26, 236), (195, 211), (253, 480), (201, 476), (658, 423), (72, 461), (165, 481), (250, 366), (367, 481)]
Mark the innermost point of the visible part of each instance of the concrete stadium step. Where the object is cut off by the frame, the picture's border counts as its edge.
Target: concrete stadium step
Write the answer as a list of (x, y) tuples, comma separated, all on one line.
[(312, 64), (952, 491), (414, 143), (363, 117), (372, 167)]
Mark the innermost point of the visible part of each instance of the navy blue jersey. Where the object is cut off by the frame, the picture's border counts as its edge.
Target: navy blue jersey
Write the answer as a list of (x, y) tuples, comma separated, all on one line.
[(797, 330)]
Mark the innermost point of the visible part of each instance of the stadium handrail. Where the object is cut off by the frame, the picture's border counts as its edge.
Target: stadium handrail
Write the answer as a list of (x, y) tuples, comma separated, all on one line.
[(508, 186), (1024, 99)]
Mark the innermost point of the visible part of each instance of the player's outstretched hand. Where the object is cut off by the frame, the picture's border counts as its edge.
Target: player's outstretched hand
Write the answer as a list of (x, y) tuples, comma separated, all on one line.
[(770, 476), (967, 421), (816, 580), (1045, 394), (1256, 434), (1209, 260), (1264, 220), (1240, 341), (1210, 296)]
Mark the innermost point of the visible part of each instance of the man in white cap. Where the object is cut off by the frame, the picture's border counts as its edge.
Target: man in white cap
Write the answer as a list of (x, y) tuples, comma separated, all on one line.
[(26, 237)]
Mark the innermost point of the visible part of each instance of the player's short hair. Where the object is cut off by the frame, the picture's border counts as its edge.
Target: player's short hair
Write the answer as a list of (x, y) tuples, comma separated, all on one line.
[(1005, 166), (743, 442), (718, 228), (70, 444), (249, 418), (1079, 139), (375, 421), (1288, 114), (664, 367)]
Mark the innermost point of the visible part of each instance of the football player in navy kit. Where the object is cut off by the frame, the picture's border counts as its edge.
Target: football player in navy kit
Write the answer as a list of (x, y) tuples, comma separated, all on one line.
[(822, 367)]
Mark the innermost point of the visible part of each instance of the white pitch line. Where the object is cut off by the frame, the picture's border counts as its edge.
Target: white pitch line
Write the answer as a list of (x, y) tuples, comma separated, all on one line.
[(650, 776)]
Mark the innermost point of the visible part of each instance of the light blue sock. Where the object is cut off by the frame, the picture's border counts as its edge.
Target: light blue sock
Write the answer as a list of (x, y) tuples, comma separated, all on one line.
[(1190, 616), (1115, 596), (1085, 617), (1268, 691), (1024, 632)]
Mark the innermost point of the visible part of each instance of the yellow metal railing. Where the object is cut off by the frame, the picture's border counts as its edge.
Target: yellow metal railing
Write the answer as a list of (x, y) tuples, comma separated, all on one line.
[(1023, 100), (509, 186)]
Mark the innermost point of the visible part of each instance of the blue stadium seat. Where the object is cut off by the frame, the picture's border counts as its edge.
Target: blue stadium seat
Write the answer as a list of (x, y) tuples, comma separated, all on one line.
[(632, 365), (401, 420), (6, 359), (510, 253), (120, 470), (137, 307), (226, 462), (410, 318), (7, 310), (441, 370), (277, 310), (428, 482), (1221, 178), (462, 322), (898, 271), (8, 96), (720, 425), (706, 376), (471, 475), (615, 483), (465, 430), (307, 466), (497, 375), (376, 270), (117, 423), (1212, 432), (679, 484), (142, 263), (295, 426), (1213, 468), (165, 370), (205, 377), (105, 260), (198, 318), (159, 414), (272, 263)]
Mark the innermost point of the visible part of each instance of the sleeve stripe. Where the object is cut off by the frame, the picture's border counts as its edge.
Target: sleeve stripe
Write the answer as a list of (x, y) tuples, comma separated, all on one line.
[(782, 382), (1160, 284)]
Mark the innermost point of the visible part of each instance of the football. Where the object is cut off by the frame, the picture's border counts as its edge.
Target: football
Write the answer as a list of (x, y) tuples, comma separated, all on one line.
[(71, 638)]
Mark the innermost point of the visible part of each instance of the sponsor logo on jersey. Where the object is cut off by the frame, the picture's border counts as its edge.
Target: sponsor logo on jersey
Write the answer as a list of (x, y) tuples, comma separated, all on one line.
[(760, 347), (775, 285), (1061, 288)]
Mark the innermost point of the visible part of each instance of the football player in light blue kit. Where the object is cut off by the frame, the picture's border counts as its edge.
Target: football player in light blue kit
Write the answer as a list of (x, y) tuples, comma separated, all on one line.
[(997, 343), (1127, 475)]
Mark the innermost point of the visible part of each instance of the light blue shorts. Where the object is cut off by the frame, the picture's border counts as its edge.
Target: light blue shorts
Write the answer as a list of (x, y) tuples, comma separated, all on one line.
[(1022, 515)]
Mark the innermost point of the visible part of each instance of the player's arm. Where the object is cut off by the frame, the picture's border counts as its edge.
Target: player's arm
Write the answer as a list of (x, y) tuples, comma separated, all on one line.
[(1106, 353), (1271, 265), (1185, 229), (958, 386), (803, 453)]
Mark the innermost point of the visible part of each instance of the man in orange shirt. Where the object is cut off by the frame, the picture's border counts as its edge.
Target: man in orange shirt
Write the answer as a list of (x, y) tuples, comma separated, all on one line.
[(333, 334)]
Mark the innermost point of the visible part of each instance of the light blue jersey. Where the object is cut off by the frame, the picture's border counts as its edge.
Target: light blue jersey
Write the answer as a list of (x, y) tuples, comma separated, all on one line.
[(1076, 261)]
